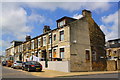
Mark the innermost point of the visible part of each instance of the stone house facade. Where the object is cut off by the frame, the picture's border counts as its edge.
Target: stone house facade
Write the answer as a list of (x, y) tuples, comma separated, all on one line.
[(79, 41), (113, 54)]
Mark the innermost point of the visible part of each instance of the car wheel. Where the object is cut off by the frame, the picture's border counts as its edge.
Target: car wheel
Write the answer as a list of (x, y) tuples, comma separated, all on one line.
[(14, 68), (28, 69), (22, 68), (40, 70)]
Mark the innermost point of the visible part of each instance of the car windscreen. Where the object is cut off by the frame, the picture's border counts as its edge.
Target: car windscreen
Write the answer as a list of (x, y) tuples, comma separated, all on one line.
[(19, 61), (34, 63)]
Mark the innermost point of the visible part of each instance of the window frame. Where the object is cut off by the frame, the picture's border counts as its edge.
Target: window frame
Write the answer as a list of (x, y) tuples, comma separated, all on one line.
[(54, 36), (61, 35), (87, 55), (62, 53), (44, 41)]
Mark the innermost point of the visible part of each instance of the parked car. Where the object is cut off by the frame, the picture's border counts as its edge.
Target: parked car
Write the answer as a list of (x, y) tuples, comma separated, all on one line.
[(17, 64), (9, 63), (3, 63), (32, 66)]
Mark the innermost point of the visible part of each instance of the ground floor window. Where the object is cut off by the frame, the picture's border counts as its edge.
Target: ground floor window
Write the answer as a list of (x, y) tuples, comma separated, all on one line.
[(87, 54), (94, 56), (54, 53), (61, 52), (50, 53)]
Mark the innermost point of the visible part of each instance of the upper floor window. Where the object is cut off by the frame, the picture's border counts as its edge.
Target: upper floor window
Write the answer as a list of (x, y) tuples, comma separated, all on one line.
[(118, 41), (61, 52), (112, 42), (44, 41), (54, 37), (61, 35), (50, 53), (39, 41), (60, 24), (50, 39), (32, 45)]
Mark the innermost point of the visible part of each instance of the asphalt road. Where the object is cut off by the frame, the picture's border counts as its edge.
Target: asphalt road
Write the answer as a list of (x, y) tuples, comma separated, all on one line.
[(110, 75), (17, 74)]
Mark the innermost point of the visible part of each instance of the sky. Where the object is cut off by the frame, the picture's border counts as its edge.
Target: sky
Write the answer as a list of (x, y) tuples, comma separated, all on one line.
[(19, 19)]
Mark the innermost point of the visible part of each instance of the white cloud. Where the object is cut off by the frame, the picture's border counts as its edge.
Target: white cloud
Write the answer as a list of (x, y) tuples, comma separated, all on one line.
[(4, 44), (110, 27), (77, 16), (14, 21), (36, 18), (71, 6)]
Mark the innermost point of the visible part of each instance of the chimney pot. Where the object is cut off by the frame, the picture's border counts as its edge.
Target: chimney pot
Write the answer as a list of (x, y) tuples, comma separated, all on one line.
[(86, 13), (28, 38)]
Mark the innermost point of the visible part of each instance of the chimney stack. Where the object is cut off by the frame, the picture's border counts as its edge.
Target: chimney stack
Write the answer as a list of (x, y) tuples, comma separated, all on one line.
[(86, 13), (28, 38), (46, 29)]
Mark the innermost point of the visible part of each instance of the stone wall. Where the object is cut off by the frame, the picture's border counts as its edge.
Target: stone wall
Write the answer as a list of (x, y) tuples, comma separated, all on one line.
[(118, 64), (97, 42), (111, 65), (79, 38)]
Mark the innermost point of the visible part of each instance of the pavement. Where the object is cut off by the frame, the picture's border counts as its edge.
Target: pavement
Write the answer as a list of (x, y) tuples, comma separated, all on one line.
[(54, 74)]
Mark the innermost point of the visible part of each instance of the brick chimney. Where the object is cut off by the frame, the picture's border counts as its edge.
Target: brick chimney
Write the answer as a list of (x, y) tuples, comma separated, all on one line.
[(86, 13), (46, 29), (28, 38)]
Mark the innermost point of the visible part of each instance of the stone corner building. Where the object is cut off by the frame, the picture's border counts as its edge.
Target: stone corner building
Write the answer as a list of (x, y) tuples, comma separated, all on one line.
[(75, 45)]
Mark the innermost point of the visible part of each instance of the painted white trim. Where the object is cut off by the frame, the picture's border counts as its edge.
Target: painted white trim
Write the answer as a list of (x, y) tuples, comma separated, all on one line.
[(66, 46), (61, 30), (87, 49), (49, 48), (54, 33), (32, 41), (44, 36), (55, 48), (32, 52), (62, 47), (39, 38), (39, 51), (49, 34)]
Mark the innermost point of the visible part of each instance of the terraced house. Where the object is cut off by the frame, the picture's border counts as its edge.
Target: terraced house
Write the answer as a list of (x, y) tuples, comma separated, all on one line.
[(75, 45)]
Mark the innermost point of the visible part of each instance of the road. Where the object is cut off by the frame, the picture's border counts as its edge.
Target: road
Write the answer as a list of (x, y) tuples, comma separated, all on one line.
[(110, 75), (12, 74), (16, 73)]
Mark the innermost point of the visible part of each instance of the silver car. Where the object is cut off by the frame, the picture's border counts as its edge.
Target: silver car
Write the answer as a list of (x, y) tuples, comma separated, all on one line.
[(17, 64)]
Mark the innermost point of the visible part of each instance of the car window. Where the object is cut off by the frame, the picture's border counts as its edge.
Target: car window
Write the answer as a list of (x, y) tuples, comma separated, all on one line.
[(27, 63), (34, 63), (19, 61)]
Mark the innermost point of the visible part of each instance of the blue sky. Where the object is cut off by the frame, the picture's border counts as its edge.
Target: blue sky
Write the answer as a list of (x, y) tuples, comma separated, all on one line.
[(21, 19)]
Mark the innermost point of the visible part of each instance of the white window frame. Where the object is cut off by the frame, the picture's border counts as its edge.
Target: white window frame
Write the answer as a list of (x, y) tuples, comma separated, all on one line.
[(50, 39), (39, 42), (61, 39), (32, 44), (118, 41), (62, 54), (61, 23), (44, 43)]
